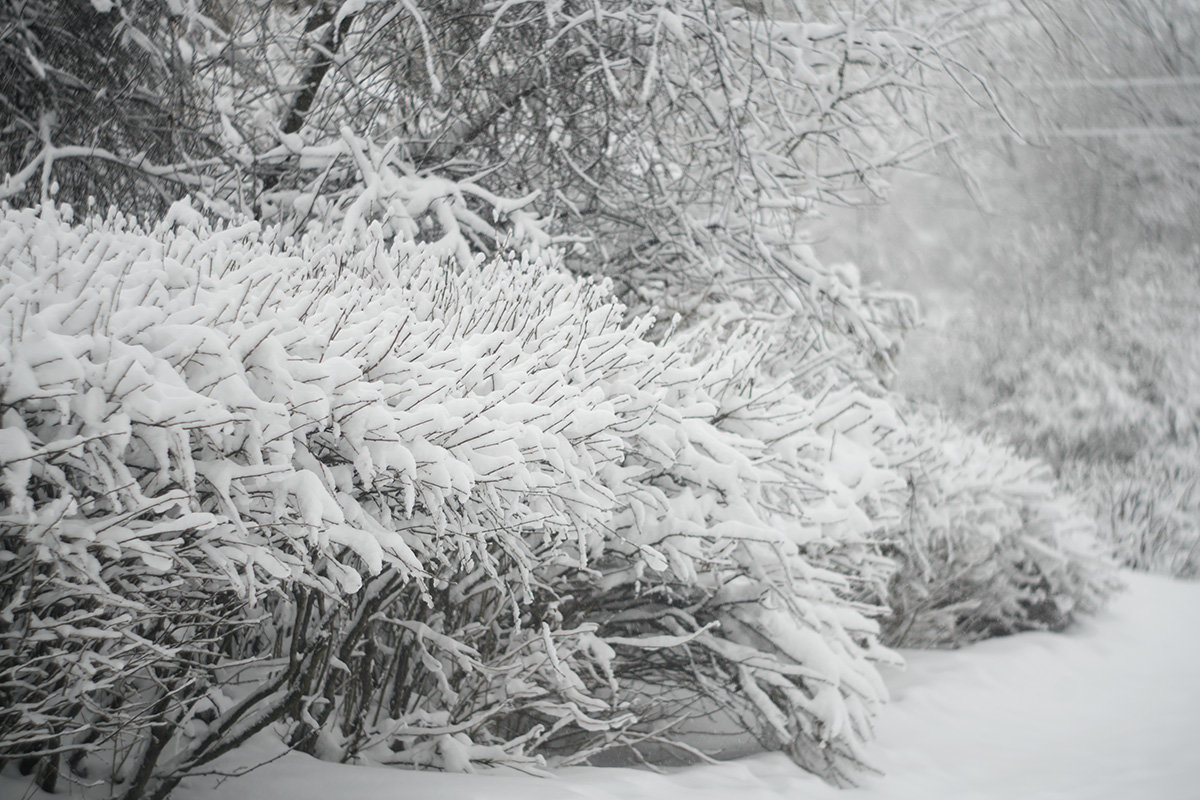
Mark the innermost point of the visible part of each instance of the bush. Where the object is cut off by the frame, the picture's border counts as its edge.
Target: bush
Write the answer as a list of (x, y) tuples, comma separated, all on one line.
[(1104, 387), (1148, 509), (407, 514), (988, 546)]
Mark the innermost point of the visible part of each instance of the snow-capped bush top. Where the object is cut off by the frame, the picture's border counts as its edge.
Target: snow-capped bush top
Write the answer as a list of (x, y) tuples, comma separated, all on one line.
[(281, 383)]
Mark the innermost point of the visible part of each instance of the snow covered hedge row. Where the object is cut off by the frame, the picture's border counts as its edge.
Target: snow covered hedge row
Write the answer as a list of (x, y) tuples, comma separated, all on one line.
[(411, 515), (405, 514), (989, 545)]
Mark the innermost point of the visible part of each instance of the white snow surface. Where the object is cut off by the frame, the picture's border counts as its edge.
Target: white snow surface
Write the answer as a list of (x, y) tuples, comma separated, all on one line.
[(1110, 709)]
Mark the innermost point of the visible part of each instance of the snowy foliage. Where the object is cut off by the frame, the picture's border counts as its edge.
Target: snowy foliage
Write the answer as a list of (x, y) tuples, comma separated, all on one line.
[(989, 544), (1148, 509), (1104, 385), (418, 515), (1076, 404), (659, 143), (1079, 352)]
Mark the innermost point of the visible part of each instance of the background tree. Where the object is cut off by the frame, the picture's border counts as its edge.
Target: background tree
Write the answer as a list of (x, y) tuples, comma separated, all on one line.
[(661, 143), (1062, 287), (97, 102)]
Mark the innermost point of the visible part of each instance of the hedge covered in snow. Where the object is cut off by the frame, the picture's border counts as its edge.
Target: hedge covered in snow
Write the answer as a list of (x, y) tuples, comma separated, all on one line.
[(397, 512), (416, 515), (989, 544)]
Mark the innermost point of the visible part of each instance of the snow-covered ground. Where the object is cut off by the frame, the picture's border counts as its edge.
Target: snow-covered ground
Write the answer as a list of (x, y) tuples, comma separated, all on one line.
[(1110, 709)]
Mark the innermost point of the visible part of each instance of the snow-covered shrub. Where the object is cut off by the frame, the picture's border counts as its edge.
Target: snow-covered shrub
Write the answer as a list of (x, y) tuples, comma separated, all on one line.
[(756, 508), (416, 515), (989, 544), (1123, 431), (704, 551), (169, 401), (1148, 510)]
